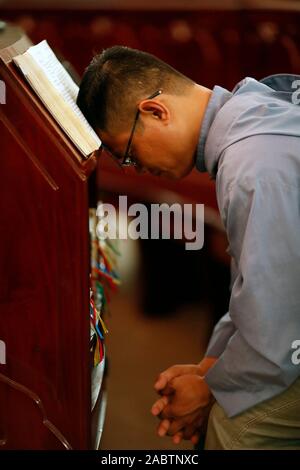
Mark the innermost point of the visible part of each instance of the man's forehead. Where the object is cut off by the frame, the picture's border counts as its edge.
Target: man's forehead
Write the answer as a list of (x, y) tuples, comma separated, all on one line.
[(112, 138), (113, 143)]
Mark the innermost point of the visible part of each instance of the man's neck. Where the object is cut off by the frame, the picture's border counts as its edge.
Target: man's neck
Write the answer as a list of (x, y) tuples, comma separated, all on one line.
[(199, 99), (202, 97)]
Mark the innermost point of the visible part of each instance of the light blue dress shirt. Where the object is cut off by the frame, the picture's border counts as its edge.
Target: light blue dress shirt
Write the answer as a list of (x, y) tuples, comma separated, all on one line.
[(250, 143)]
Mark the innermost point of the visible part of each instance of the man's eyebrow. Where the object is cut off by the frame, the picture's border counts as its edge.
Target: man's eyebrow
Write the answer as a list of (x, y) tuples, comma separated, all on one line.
[(106, 147)]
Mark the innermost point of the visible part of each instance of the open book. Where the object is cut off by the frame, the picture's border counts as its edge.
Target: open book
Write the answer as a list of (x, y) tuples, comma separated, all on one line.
[(58, 91)]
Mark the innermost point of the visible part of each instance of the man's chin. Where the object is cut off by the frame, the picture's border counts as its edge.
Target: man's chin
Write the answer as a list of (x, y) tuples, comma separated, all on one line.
[(176, 175), (171, 174)]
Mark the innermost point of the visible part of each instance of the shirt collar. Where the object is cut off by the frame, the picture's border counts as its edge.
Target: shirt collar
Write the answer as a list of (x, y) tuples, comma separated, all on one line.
[(218, 98), (284, 82)]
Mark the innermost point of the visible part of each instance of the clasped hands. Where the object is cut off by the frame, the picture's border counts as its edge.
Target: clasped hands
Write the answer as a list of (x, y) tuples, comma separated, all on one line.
[(185, 401)]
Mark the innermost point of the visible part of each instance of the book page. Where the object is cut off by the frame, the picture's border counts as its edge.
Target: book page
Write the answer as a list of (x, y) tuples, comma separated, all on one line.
[(58, 91), (56, 73)]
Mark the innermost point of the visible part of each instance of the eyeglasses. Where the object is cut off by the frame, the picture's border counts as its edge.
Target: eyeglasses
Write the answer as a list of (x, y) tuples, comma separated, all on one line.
[(127, 159)]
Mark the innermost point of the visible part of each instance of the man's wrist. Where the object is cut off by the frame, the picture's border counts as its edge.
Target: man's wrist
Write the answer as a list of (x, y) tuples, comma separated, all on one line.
[(206, 363)]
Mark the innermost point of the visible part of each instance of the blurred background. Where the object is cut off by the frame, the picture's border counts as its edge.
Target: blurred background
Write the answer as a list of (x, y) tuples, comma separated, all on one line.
[(170, 298)]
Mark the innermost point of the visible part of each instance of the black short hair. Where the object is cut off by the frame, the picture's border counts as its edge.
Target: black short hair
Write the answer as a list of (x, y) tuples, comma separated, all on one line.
[(117, 79)]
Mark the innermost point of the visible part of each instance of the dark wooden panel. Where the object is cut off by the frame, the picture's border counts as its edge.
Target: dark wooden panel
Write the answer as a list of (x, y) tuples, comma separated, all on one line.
[(44, 272)]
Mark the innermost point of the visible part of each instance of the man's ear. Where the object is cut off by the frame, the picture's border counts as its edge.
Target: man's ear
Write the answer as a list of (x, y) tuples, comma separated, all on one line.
[(155, 109)]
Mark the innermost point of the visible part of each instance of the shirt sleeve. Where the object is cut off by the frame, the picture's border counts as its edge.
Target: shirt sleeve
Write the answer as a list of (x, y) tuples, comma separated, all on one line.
[(262, 222), (225, 327), (223, 331)]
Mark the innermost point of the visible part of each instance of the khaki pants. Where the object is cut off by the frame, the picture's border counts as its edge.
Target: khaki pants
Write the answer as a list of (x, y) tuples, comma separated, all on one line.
[(273, 424)]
